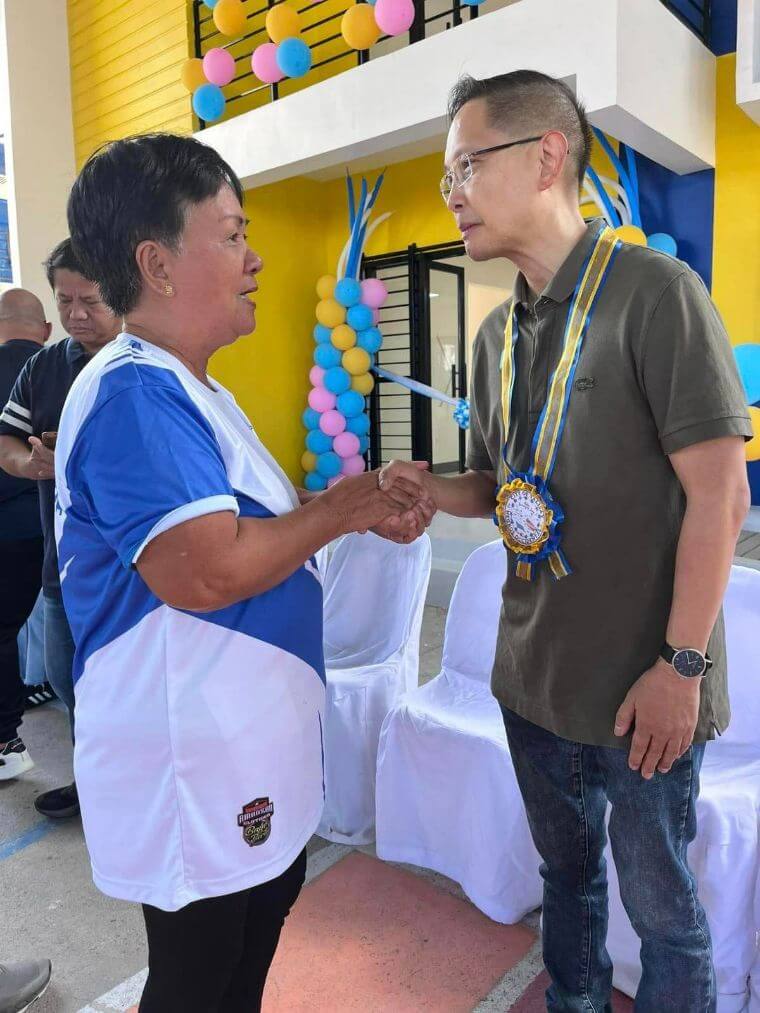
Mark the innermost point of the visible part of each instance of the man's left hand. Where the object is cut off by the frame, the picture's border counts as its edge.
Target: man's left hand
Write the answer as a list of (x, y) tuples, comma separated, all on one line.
[(663, 709)]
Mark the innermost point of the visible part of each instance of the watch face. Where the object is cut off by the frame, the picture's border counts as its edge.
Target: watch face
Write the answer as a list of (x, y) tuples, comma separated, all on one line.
[(688, 663)]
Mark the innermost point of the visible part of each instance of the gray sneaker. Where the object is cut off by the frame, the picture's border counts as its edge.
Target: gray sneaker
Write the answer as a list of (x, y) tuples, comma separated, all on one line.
[(23, 983)]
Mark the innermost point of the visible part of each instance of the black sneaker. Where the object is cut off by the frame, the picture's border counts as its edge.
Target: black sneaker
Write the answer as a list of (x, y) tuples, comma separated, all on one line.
[(35, 696), (58, 804), (22, 984), (14, 760)]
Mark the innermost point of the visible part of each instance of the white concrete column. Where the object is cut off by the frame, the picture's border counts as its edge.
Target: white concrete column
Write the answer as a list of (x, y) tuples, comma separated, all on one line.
[(35, 114)]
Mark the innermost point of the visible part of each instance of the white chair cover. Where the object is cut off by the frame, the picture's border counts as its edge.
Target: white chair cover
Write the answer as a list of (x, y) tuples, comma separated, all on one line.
[(725, 855), (374, 597), (447, 798)]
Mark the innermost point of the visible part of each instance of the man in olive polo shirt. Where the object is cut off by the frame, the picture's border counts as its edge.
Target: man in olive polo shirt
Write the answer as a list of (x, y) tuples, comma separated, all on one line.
[(650, 474)]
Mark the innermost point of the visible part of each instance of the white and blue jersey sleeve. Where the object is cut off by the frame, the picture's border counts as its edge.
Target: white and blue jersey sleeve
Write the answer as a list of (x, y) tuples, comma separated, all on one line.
[(147, 460)]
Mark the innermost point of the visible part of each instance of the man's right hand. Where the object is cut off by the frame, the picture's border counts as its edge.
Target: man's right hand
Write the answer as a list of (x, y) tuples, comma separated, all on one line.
[(40, 464), (360, 503)]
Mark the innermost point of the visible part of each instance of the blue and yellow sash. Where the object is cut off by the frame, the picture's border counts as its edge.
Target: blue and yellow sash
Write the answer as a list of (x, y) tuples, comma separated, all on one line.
[(528, 516)]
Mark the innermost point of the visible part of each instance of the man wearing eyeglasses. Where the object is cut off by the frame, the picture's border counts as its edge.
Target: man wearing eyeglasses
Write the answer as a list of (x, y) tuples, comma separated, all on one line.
[(606, 439)]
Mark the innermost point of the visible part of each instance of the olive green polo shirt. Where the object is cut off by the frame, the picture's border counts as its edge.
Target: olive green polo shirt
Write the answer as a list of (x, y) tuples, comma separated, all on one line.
[(656, 374)]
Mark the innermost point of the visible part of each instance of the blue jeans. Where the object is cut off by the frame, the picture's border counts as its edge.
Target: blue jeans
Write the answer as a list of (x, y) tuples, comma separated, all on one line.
[(566, 787), (59, 652)]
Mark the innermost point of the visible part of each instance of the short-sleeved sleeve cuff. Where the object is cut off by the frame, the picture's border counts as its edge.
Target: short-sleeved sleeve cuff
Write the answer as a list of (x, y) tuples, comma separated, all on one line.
[(201, 507), (700, 432), (478, 462)]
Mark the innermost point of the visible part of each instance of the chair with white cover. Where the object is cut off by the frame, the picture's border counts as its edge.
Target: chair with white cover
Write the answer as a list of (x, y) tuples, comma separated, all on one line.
[(725, 856), (374, 597), (447, 796)]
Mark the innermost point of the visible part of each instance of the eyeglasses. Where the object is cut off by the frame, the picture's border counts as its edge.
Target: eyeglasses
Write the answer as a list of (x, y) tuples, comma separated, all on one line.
[(462, 169)]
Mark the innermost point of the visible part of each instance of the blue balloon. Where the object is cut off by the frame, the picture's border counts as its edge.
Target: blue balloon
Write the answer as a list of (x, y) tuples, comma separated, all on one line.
[(211, 3), (350, 404), (327, 356), (748, 361), (294, 57), (370, 340), (310, 419), (329, 464), (348, 291), (315, 482), (322, 334), (359, 425), (208, 102), (318, 442), (663, 242), (363, 444), (337, 380), (359, 317)]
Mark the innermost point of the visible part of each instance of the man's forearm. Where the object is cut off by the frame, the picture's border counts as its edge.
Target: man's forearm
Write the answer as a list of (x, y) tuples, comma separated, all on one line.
[(14, 456), (705, 550), (470, 495)]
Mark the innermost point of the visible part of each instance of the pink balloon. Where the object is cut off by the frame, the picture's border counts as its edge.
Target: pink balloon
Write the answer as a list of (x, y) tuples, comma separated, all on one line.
[(375, 317), (353, 466), (264, 64), (219, 66), (321, 400), (374, 292), (317, 376), (346, 445), (332, 423), (334, 481), (394, 16)]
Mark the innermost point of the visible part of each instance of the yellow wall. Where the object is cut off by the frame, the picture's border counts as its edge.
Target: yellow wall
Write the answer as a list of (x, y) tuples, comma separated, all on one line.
[(125, 67), (736, 241)]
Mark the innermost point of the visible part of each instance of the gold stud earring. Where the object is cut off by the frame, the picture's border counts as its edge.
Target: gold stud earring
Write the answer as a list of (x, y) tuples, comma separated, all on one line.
[(168, 289)]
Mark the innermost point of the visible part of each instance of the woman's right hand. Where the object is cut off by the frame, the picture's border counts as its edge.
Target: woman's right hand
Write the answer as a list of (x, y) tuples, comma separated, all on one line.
[(361, 504)]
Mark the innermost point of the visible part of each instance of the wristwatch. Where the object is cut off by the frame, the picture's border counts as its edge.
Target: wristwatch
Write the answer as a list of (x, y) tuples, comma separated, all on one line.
[(687, 662)]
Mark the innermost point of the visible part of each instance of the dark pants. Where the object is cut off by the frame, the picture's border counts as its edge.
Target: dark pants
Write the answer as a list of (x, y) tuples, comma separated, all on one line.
[(566, 787), (213, 956), (20, 578)]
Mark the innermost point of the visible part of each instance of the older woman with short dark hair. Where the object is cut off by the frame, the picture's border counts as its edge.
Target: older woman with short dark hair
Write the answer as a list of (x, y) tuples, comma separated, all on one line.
[(188, 575)]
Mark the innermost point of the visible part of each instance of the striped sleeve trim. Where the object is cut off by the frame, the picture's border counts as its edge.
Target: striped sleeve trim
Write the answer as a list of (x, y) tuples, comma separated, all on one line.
[(17, 409), (11, 419)]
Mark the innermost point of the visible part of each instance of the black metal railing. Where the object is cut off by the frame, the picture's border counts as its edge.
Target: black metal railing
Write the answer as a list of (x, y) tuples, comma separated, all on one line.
[(331, 55), (321, 31), (695, 14)]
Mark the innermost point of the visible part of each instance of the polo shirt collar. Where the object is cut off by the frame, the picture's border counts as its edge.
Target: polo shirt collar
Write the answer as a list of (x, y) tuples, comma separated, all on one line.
[(561, 286), (74, 351)]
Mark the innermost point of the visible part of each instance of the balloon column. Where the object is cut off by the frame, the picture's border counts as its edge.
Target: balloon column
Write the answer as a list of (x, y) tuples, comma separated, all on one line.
[(748, 361), (346, 340), (287, 55), (618, 200)]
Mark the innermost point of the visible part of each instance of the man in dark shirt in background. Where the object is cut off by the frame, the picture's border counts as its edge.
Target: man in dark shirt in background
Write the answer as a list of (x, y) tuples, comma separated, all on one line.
[(23, 331), (28, 426)]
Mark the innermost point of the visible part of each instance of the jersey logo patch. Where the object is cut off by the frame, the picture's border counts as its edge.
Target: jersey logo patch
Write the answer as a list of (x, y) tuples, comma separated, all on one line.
[(256, 821)]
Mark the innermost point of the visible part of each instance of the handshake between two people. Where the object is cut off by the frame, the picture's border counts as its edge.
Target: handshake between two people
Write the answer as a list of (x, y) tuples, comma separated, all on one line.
[(394, 502)]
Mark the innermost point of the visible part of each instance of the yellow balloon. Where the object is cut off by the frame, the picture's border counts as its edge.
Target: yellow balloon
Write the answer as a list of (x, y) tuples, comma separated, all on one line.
[(363, 384), (330, 313), (229, 17), (192, 74), (308, 461), (326, 286), (356, 361), (343, 337), (631, 234), (359, 28), (282, 22), (752, 448)]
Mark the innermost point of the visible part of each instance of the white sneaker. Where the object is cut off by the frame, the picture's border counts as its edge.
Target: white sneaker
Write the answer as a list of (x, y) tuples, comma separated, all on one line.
[(14, 760)]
